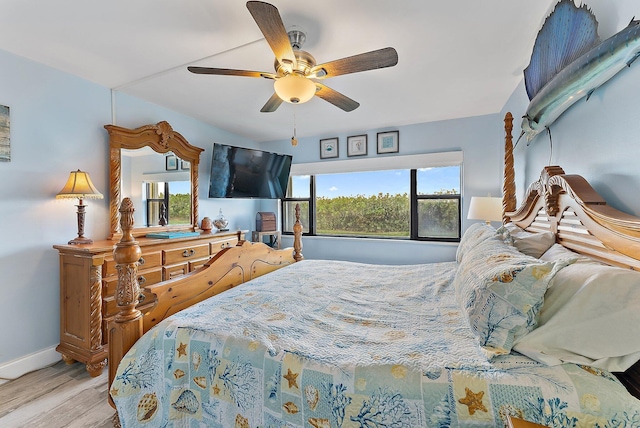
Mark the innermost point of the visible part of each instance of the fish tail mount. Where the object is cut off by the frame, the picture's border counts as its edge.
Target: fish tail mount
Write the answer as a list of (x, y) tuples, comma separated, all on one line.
[(567, 33)]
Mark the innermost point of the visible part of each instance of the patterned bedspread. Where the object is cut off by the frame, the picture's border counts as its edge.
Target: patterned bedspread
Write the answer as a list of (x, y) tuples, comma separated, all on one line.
[(340, 344)]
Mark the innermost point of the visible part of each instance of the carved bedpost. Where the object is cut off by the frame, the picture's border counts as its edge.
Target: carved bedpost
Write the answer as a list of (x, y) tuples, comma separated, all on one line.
[(509, 184), (297, 236), (127, 327)]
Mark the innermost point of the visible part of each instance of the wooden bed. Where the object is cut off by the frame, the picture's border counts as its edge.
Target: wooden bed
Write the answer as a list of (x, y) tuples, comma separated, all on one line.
[(564, 204)]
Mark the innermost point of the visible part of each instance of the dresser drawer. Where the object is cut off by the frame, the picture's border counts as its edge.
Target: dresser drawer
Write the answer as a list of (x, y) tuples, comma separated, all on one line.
[(147, 261), (185, 254), (196, 264), (110, 307), (222, 244), (145, 277), (174, 271)]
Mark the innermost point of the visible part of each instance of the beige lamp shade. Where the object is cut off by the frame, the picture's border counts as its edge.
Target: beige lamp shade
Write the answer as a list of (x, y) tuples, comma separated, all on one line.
[(294, 88), (485, 208), (79, 186)]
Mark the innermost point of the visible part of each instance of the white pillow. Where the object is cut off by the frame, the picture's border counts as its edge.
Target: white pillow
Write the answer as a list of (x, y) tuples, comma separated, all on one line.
[(529, 243), (557, 251), (590, 316)]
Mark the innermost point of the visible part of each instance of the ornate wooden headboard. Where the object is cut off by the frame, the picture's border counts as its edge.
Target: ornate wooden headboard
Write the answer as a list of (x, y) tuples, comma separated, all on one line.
[(581, 219)]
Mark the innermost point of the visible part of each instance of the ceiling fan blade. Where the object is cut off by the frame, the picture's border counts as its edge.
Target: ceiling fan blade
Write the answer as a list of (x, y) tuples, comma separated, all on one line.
[(336, 98), (230, 72), (381, 58), (272, 105), (270, 23)]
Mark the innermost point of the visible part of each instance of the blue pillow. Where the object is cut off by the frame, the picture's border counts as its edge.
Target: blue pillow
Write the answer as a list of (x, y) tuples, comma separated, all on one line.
[(474, 235), (501, 291)]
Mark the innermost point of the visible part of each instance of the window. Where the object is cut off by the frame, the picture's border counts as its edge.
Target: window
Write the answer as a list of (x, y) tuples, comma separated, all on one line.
[(402, 203), (168, 202)]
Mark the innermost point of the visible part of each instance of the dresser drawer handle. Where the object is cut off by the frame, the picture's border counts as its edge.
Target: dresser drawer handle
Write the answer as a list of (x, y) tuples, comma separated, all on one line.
[(225, 245), (141, 261), (188, 253), (141, 298), (141, 279)]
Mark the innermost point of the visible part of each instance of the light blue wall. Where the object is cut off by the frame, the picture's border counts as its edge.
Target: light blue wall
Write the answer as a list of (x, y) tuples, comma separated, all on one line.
[(480, 138), (57, 126)]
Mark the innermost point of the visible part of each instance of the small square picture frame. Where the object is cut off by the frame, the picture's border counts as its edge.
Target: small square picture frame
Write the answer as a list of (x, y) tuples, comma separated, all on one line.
[(357, 145), (388, 142), (185, 165), (171, 163), (329, 148)]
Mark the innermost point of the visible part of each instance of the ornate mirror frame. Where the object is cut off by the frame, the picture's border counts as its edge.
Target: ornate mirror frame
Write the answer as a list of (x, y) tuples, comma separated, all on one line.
[(162, 139)]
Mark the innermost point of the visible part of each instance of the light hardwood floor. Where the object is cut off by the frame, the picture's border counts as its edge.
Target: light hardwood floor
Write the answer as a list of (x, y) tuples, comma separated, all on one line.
[(57, 396)]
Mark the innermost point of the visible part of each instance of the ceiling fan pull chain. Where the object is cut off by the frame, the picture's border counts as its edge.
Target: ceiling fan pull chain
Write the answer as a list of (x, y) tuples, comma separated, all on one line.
[(294, 140)]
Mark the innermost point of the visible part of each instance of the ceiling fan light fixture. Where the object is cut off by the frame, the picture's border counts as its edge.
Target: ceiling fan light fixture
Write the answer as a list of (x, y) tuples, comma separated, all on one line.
[(294, 89)]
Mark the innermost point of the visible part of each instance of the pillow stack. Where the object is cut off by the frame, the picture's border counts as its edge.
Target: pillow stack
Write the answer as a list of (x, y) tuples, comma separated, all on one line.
[(500, 289), (591, 316)]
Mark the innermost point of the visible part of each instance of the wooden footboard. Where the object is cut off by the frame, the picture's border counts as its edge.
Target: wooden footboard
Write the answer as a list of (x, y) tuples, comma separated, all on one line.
[(227, 269)]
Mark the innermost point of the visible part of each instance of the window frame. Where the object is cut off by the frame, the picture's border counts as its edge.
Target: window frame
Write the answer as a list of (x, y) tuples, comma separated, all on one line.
[(410, 162)]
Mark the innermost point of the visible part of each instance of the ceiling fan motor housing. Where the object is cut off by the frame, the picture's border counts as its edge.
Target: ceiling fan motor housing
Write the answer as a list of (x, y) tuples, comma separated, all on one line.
[(304, 63), (297, 37)]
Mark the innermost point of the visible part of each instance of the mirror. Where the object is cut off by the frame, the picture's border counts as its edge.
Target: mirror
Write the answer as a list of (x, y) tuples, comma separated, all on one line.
[(159, 186), (154, 166)]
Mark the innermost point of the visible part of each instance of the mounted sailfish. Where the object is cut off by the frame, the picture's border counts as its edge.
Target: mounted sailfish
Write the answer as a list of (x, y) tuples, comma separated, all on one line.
[(569, 62)]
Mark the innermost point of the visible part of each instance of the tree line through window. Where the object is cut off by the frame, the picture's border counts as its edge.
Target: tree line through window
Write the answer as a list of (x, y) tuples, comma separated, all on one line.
[(417, 204)]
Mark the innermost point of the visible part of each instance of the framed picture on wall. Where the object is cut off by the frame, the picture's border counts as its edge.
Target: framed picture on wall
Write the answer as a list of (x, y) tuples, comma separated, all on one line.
[(357, 145), (171, 163), (388, 142), (329, 148), (185, 165), (5, 134)]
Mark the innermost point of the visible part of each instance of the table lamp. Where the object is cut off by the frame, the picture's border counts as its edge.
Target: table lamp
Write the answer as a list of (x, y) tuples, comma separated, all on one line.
[(485, 208), (79, 186)]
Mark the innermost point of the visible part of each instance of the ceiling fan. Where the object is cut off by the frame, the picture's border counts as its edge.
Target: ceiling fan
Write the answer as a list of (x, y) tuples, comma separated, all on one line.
[(296, 71)]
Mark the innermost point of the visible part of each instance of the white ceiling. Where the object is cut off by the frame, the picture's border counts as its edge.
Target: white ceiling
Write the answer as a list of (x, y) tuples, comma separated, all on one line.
[(456, 58)]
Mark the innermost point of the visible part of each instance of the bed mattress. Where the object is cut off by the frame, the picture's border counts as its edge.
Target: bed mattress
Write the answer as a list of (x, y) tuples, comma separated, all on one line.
[(341, 344)]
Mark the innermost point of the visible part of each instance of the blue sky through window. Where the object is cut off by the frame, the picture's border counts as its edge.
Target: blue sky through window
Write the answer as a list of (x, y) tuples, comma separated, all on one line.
[(430, 180)]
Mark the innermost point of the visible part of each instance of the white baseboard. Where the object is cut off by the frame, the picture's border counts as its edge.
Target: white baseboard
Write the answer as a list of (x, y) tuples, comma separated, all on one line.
[(16, 368)]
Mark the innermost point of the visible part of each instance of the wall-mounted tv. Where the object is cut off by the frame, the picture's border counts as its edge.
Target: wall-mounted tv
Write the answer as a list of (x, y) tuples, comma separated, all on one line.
[(238, 172)]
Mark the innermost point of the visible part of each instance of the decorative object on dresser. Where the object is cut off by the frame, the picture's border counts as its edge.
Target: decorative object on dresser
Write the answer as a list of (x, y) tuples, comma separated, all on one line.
[(206, 225), (79, 186), (485, 208), (221, 222)]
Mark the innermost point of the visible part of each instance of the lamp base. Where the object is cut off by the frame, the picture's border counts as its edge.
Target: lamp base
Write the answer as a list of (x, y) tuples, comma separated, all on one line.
[(81, 240)]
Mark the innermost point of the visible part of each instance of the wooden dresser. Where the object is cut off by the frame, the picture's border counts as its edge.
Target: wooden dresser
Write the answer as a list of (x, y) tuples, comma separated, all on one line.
[(88, 280)]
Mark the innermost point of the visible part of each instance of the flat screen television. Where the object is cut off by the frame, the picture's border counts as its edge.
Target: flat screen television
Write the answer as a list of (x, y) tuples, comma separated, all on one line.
[(238, 172)]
